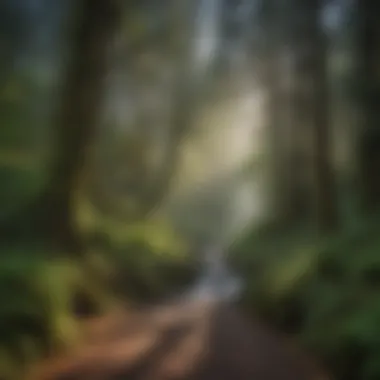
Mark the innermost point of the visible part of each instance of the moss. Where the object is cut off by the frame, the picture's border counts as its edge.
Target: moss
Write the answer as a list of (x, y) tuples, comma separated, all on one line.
[(42, 295), (37, 314)]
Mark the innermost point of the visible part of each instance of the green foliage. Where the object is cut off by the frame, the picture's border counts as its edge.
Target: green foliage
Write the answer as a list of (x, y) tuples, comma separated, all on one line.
[(148, 259), (145, 248), (39, 289), (38, 296), (37, 312), (21, 183), (22, 137), (329, 289)]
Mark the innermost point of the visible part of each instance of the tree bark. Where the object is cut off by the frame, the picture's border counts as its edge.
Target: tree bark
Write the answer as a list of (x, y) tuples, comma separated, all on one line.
[(271, 74), (79, 116), (50, 216), (311, 105), (285, 127), (368, 146), (325, 192)]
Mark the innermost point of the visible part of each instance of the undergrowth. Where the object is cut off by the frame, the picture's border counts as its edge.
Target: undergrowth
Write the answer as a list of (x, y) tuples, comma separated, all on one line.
[(38, 312), (327, 292), (43, 294)]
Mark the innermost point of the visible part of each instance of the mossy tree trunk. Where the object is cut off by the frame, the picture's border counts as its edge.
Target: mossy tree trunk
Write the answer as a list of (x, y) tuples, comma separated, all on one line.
[(82, 99), (50, 216)]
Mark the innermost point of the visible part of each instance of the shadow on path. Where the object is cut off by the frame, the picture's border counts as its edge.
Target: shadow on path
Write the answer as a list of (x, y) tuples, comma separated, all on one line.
[(193, 341), (241, 350)]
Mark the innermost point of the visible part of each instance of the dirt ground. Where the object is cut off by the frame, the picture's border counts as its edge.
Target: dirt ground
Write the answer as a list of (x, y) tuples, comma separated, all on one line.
[(191, 341)]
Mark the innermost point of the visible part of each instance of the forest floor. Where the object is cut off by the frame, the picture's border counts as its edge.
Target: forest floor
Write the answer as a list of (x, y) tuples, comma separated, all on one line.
[(185, 341)]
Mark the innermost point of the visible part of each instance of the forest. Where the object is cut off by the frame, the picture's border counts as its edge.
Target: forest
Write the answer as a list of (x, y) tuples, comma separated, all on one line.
[(189, 189)]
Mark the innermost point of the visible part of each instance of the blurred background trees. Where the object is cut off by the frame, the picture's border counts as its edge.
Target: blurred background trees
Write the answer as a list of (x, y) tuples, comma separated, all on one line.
[(133, 133)]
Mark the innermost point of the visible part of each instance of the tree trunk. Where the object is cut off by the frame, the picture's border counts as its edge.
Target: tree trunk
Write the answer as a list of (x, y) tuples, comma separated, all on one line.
[(272, 72), (285, 128), (369, 85), (325, 192), (50, 216), (81, 110), (185, 100), (312, 113), (326, 201)]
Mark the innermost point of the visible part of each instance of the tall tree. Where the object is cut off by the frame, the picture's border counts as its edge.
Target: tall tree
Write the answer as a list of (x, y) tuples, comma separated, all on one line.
[(50, 216), (271, 72), (93, 34), (312, 114), (368, 142), (134, 184), (285, 128), (192, 72), (182, 100)]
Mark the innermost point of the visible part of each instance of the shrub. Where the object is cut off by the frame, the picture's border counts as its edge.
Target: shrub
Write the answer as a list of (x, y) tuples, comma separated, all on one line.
[(325, 291)]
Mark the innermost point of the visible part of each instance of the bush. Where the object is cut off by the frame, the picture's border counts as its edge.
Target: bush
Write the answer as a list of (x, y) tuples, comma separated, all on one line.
[(325, 291), (150, 261), (43, 293), (37, 312)]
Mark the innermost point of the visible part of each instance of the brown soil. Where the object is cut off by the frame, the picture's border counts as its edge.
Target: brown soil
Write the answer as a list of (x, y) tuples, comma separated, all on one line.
[(193, 341)]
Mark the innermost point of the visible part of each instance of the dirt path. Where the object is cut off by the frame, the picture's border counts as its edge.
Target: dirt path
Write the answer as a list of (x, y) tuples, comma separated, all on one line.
[(198, 341)]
